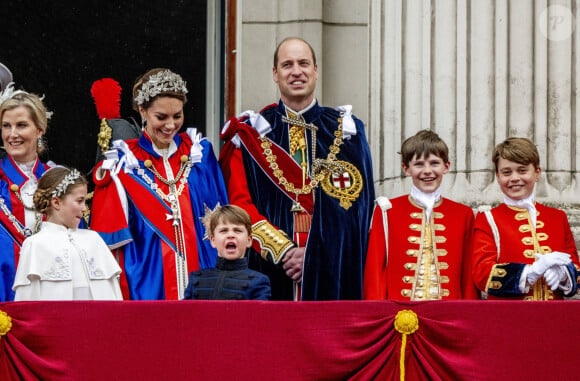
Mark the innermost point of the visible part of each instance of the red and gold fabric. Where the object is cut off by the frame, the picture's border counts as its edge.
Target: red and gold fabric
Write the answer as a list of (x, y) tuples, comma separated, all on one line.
[(268, 240), (350, 340), (424, 259), (154, 230), (498, 272), (13, 228)]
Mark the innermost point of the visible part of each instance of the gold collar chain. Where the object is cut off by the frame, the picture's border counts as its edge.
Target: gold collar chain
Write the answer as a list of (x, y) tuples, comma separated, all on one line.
[(37, 216), (172, 197), (319, 166), (22, 229), (181, 177), (184, 163), (16, 189)]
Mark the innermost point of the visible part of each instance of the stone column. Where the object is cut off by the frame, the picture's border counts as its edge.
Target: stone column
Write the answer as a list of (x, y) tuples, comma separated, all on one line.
[(337, 30), (477, 72), (474, 71)]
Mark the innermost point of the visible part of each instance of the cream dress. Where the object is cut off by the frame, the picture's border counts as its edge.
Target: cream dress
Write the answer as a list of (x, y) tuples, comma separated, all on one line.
[(58, 263)]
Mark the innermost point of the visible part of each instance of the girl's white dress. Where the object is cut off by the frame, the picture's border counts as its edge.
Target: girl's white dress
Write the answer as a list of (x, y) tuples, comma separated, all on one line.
[(58, 263)]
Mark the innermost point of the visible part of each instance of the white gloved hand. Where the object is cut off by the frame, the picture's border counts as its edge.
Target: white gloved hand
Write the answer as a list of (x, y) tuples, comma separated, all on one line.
[(554, 276), (111, 158), (108, 164), (544, 262)]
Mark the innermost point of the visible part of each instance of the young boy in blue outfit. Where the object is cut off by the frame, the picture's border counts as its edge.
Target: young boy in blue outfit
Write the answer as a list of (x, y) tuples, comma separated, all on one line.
[(231, 235)]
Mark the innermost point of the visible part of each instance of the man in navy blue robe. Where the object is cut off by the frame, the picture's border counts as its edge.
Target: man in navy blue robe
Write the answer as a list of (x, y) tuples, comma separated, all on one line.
[(303, 172)]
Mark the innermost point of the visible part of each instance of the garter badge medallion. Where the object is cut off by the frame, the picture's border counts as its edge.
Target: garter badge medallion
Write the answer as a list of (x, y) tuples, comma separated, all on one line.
[(344, 185)]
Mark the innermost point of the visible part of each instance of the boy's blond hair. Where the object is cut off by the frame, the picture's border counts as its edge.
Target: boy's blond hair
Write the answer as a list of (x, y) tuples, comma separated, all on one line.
[(423, 144), (519, 150), (229, 214)]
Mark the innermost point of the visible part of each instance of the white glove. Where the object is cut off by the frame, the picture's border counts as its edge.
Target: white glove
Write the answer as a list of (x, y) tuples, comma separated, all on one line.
[(111, 158), (554, 276), (544, 262)]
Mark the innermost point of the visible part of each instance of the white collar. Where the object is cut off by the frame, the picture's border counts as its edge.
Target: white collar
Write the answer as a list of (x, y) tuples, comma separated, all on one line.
[(51, 226), (426, 200), (165, 152), (525, 203), (298, 113), (27, 168)]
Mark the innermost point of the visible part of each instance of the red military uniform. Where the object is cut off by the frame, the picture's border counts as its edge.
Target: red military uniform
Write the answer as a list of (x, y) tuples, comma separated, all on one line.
[(498, 273), (426, 259)]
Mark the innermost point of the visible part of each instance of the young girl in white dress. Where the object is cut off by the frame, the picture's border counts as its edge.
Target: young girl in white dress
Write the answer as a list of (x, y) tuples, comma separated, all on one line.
[(61, 261)]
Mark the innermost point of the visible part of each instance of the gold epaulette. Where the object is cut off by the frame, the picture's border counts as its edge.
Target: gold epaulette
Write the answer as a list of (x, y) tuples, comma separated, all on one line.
[(105, 135), (272, 241)]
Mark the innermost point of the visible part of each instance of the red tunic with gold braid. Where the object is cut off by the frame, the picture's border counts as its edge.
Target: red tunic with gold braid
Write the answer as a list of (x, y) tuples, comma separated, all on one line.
[(426, 259), (499, 274)]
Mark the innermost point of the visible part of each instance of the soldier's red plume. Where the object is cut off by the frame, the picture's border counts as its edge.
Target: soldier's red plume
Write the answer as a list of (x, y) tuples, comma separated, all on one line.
[(107, 95)]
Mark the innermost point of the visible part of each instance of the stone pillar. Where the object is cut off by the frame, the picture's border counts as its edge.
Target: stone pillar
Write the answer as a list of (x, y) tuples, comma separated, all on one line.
[(336, 29), (477, 72)]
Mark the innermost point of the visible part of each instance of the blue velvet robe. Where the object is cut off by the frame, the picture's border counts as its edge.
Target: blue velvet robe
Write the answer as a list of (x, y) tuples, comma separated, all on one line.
[(337, 241)]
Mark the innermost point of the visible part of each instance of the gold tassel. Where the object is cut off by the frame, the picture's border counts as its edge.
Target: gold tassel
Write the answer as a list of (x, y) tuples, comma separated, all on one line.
[(406, 323)]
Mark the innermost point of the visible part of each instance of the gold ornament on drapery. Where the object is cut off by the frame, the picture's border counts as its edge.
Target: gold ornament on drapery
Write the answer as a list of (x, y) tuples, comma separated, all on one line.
[(5, 323), (406, 322)]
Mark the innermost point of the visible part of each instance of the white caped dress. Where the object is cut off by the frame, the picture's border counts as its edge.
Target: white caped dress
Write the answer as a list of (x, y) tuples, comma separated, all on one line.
[(58, 263)]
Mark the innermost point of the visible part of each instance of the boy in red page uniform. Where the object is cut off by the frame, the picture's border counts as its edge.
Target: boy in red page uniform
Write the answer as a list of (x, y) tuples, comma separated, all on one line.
[(420, 243), (523, 249)]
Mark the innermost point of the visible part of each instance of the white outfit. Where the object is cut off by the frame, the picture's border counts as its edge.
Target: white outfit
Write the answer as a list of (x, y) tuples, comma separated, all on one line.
[(27, 192), (66, 264)]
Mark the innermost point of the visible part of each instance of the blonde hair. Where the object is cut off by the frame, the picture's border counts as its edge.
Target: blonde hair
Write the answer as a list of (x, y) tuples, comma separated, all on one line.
[(47, 187), (35, 107)]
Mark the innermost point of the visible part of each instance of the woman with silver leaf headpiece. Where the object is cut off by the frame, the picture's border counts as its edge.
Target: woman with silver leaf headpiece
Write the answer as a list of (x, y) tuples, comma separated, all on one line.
[(151, 192), (24, 122)]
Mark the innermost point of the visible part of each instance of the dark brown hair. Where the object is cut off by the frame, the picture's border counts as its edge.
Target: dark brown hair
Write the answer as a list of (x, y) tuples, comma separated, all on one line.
[(143, 79), (423, 144)]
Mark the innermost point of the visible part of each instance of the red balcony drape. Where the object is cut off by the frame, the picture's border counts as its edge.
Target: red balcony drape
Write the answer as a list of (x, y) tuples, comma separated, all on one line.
[(469, 340)]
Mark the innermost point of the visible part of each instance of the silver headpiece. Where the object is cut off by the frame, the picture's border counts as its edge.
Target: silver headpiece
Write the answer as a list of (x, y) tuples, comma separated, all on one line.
[(69, 179), (9, 92), (165, 80)]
